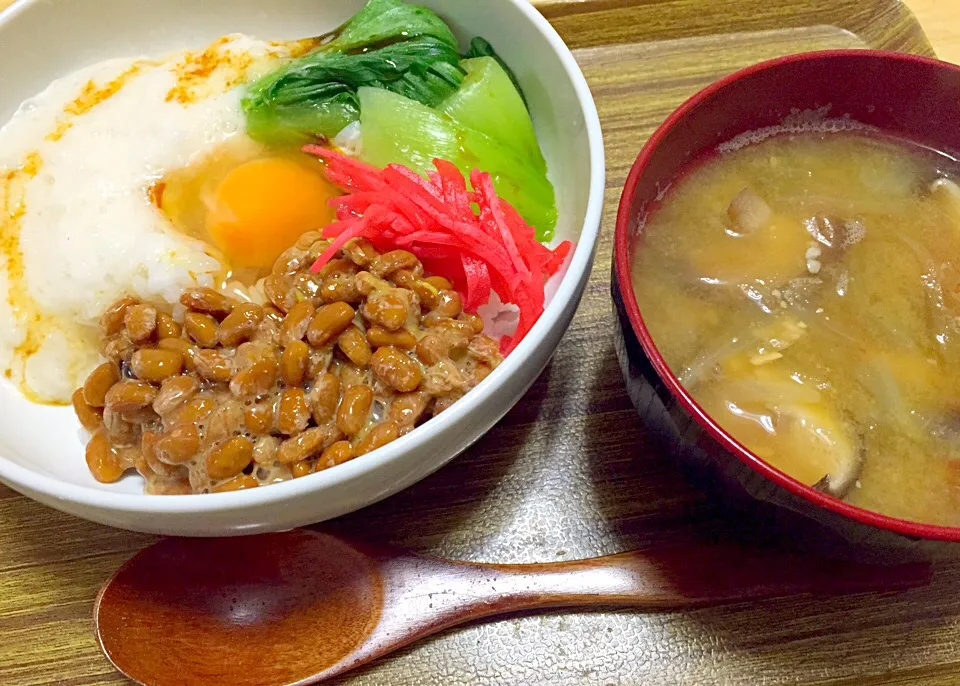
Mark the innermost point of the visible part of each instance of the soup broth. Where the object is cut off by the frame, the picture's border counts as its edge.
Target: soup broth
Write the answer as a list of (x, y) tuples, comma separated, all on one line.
[(806, 290)]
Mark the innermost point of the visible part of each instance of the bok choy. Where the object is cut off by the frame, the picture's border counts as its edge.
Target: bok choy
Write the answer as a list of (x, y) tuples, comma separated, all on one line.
[(387, 21), (484, 125), (480, 47), (396, 68), (391, 45)]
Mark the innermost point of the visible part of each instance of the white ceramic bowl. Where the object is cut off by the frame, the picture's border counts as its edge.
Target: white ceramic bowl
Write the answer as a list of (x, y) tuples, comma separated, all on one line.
[(41, 452)]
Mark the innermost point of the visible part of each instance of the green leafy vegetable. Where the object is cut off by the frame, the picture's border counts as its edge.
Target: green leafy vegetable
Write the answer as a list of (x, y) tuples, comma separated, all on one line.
[(389, 44), (480, 47), (396, 67), (488, 102), (401, 130), (484, 125), (518, 181), (316, 95), (388, 21)]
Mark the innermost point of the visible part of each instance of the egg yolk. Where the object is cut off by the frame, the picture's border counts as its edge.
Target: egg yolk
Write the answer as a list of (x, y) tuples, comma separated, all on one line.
[(263, 206)]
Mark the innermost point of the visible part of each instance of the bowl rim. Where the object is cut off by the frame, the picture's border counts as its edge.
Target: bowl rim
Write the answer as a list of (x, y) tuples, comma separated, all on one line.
[(577, 271), (623, 282)]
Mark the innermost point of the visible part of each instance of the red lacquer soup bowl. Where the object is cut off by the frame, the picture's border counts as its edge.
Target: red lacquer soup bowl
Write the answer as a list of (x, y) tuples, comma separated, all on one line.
[(909, 97)]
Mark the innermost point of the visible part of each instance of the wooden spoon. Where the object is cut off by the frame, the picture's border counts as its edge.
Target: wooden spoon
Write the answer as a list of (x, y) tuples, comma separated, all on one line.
[(304, 606)]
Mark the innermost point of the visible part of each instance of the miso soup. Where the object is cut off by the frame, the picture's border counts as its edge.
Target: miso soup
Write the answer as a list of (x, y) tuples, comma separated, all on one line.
[(806, 290)]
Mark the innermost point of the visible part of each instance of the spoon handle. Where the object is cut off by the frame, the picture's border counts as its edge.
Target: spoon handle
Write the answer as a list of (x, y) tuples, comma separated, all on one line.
[(682, 577), (427, 594), (424, 595)]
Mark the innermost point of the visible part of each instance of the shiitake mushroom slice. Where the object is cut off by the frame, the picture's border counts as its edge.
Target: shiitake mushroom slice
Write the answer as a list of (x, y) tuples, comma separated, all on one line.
[(839, 483)]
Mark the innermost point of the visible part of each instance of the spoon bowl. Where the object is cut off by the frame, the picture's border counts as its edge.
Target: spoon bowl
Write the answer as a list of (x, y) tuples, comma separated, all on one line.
[(223, 608), (303, 606)]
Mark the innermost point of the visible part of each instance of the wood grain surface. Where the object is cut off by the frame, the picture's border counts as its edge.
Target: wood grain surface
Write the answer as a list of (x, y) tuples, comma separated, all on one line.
[(940, 20), (569, 472), (328, 604)]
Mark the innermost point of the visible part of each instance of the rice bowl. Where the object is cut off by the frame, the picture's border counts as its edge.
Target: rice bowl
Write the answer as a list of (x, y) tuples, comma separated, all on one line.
[(365, 479)]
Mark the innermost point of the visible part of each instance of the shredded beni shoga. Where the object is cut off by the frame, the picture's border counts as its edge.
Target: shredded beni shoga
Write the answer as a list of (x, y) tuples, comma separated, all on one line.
[(476, 240)]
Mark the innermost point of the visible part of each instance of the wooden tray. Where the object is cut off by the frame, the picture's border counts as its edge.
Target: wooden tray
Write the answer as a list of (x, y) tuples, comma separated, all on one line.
[(569, 472)]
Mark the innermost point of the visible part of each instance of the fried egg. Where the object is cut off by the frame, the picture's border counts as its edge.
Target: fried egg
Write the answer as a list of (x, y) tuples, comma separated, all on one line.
[(135, 176)]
